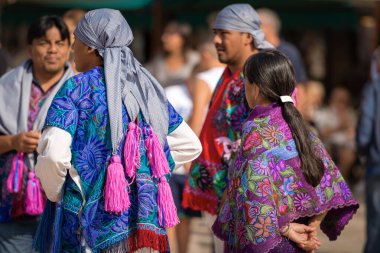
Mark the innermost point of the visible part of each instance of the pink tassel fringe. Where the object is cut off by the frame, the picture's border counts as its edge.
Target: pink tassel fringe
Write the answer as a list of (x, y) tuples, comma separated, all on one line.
[(115, 191), (167, 212), (14, 180), (34, 201), (132, 150), (157, 159)]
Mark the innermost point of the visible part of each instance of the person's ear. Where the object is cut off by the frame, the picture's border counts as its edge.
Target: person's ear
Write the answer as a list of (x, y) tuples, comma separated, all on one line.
[(91, 50), (248, 39)]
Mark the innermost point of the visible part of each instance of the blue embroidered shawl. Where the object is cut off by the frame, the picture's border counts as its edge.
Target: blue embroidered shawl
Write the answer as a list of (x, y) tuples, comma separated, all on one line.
[(80, 109)]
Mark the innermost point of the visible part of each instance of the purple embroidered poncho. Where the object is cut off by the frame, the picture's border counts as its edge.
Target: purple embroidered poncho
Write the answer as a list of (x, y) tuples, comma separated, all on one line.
[(267, 190)]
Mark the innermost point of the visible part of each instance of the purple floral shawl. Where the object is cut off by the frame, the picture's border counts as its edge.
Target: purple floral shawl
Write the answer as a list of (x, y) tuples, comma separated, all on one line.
[(267, 190)]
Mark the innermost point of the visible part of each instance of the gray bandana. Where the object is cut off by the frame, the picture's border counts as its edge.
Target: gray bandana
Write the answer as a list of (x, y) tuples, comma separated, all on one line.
[(127, 81), (242, 18)]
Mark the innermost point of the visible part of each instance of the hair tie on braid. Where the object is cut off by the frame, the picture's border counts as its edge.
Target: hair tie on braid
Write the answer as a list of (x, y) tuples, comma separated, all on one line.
[(286, 99)]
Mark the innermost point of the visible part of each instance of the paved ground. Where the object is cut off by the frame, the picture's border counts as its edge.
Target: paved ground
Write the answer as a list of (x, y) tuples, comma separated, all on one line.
[(351, 240)]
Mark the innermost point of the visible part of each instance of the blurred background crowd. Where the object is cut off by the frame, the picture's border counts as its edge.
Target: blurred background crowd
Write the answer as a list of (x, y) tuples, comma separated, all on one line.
[(332, 44)]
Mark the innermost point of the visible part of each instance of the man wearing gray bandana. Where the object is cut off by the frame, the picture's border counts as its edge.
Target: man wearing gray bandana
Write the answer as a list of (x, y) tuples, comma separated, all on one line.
[(237, 35)]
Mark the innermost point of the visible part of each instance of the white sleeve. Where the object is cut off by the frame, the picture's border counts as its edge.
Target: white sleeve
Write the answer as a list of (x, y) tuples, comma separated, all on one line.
[(53, 161), (184, 145)]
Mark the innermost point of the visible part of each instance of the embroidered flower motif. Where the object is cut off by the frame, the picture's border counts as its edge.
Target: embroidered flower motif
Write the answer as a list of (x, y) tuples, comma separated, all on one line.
[(302, 201), (282, 209), (264, 188), (260, 165), (253, 140), (288, 186), (229, 146), (275, 168), (264, 226), (204, 181), (251, 211), (145, 198), (90, 159), (238, 116), (326, 181), (321, 195), (345, 190), (272, 134), (234, 92), (220, 119)]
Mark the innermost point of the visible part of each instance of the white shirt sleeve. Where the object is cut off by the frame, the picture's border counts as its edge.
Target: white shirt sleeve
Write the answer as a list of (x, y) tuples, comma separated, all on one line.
[(184, 145), (54, 160)]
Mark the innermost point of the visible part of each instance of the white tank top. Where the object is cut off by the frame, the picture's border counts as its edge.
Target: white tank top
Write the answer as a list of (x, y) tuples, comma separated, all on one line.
[(211, 77)]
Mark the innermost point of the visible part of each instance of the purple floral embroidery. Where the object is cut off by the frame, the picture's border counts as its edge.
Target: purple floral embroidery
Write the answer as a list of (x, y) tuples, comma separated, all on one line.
[(345, 190), (326, 180), (275, 188), (302, 201), (275, 168), (261, 166), (321, 195)]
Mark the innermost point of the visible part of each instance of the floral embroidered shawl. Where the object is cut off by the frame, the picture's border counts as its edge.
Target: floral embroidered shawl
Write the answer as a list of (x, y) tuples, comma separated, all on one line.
[(219, 137), (80, 108), (267, 190)]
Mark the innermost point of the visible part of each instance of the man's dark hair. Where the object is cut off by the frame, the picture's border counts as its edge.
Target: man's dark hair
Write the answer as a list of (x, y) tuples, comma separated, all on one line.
[(273, 73), (39, 28)]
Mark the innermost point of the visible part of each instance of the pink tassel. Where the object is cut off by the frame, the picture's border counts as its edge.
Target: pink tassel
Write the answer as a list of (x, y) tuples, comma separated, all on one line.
[(34, 201), (132, 150), (167, 212), (157, 159), (14, 181), (115, 191)]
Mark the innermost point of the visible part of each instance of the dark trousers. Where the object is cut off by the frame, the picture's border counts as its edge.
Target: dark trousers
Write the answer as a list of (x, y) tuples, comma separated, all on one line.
[(17, 236), (373, 214)]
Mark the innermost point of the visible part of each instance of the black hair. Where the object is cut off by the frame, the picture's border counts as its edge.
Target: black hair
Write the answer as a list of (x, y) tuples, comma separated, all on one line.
[(273, 73), (184, 30), (39, 28)]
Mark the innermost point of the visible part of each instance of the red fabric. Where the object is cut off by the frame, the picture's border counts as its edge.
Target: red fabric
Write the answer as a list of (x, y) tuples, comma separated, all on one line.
[(211, 156), (148, 239)]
